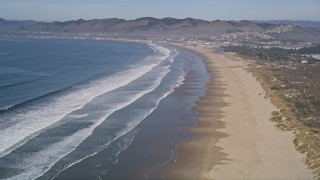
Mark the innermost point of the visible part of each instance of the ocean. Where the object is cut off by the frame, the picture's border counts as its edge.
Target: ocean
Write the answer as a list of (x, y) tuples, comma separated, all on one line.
[(86, 109)]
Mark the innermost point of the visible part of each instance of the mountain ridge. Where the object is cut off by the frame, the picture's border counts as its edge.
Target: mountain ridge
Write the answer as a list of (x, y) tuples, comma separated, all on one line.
[(145, 27), (7, 26), (302, 23)]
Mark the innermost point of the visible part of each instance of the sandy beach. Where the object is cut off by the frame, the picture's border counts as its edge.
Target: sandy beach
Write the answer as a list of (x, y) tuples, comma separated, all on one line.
[(234, 137)]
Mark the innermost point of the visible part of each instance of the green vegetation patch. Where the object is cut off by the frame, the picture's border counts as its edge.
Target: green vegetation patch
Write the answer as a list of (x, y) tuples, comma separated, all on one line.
[(316, 103), (300, 105)]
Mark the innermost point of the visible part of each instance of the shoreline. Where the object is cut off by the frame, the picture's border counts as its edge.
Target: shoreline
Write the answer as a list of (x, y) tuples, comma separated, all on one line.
[(152, 149), (229, 147)]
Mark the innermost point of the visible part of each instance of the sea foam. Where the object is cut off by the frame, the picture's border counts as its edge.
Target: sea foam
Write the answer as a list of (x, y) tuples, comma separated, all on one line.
[(41, 116)]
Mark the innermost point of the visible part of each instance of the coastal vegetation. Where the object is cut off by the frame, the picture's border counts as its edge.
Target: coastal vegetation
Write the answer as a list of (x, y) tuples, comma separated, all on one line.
[(294, 89), (276, 54)]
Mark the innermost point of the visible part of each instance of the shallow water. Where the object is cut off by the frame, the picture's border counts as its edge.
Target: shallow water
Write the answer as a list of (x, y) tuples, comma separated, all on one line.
[(70, 105)]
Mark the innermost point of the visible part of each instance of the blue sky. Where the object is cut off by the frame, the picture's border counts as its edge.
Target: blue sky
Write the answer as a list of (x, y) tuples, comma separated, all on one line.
[(61, 10)]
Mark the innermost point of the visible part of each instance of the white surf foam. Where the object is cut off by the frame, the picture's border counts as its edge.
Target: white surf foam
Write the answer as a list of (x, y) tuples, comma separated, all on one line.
[(40, 117), (77, 116), (5, 108), (53, 153), (132, 124)]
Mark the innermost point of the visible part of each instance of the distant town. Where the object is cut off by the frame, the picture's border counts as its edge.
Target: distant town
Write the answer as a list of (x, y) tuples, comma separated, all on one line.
[(254, 40), (273, 42)]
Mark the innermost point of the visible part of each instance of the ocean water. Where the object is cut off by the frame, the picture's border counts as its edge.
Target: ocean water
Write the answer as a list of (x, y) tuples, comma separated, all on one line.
[(72, 108)]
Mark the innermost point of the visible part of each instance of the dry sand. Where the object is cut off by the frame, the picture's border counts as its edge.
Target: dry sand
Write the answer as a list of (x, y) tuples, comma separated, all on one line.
[(235, 138)]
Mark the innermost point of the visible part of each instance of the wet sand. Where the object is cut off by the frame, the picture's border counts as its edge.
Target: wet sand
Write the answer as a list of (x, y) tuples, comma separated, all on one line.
[(155, 138), (234, 137)]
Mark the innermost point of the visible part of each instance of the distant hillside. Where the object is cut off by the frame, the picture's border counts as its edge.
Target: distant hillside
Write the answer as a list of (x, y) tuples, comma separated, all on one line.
[(299, 23), (300, 33), (12, 26), (147, 27), (160, 28)]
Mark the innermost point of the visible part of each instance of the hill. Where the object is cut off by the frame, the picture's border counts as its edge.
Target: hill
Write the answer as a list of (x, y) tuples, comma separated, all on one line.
[(146, 27), (7, 26), (160, 28), (299, 23)]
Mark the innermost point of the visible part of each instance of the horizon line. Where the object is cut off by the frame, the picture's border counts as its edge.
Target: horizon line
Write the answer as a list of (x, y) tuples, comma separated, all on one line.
[(315, 21)]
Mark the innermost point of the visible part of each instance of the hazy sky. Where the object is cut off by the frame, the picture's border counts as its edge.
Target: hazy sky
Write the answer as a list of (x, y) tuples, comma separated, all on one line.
[(61, 10)]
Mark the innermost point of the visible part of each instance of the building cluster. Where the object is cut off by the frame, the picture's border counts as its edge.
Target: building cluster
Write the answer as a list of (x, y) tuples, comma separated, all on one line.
[(282, 29)]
